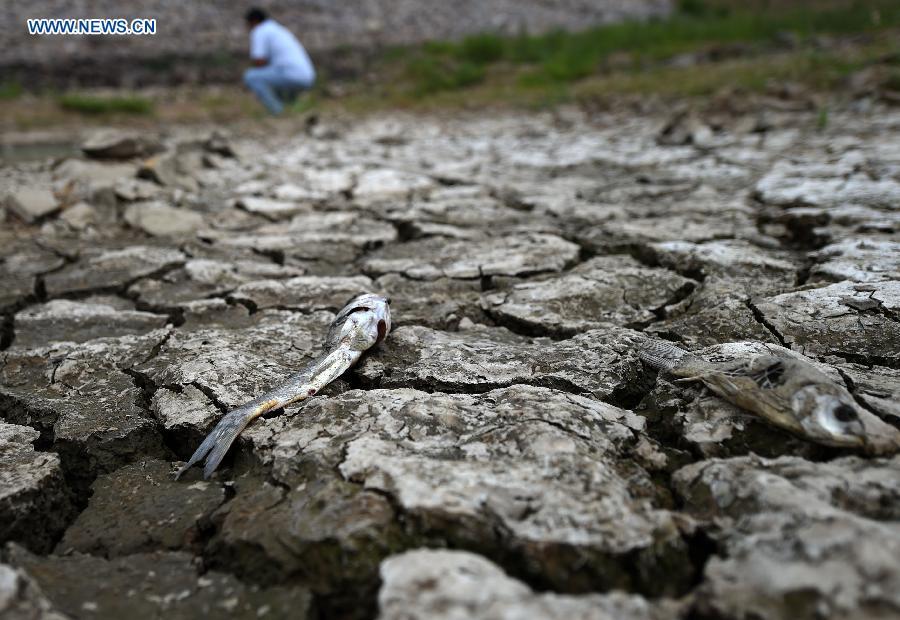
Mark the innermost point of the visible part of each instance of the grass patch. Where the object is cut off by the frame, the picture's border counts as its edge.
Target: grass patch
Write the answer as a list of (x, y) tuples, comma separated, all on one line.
[(566, 57), (10, 90), (95, 106)]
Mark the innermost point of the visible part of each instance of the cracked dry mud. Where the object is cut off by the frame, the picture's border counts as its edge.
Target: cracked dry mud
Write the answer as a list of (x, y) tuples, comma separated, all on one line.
[(504, 453)]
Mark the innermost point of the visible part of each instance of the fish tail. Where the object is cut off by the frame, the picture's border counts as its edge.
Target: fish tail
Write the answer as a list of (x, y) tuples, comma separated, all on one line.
[(216, 444)]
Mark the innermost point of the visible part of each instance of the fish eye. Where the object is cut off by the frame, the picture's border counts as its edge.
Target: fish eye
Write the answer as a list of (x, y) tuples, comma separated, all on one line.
[(844, 413), (387, 300)]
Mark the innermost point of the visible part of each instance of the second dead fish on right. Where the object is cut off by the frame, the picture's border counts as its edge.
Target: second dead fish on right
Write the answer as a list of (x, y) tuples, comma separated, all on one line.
[(781, 387)]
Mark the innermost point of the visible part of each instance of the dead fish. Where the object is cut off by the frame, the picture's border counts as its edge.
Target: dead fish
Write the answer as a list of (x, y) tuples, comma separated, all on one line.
[(361, 324), (785, 390)]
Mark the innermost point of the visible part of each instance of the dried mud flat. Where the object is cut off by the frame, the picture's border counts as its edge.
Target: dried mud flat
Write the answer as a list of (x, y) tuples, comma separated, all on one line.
[(504, 453)]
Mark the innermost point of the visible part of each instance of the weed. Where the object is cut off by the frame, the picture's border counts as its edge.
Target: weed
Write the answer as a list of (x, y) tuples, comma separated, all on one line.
[(10, 90), (92, 105)]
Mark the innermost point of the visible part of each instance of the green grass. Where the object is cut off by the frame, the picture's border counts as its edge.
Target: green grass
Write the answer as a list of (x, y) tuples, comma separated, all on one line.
[(10, 90), (95, 106), (563, 57)]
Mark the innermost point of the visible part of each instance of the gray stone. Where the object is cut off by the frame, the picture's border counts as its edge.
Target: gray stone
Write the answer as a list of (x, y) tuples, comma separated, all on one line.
[(857, 321), (444, 585), (104, 269), (152, 585), (94, 176), (430, 259), (802, 539), (75, 321), (533, 463), (171, 169), (19, 269), (140, 508), (606, 290), (387, 184), (22, 599), (305, 293), (818, 184), (35, 504), (272, 209), (858, 259), (133, 189), (466, 215), (462, 429), (876, 386), (31, 204), (186, 415), (440, 303), (79, 216), (160, 220), (337, 237), (85, 405), (622, 235), (118, 144), (202, 278), (600, 362), (727, 258), (720, 310)]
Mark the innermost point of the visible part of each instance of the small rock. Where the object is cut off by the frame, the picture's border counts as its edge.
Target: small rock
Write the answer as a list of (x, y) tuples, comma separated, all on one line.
[(305, 293), (839, 320), (859, 260), (798, 538), (133, 189), (514, 255), (35, 503), (186, 416), (22, 599), (441, 304), (381, 184), (160, 220), (110, 268), (272, 209), (164, 170), (201, 278), (140, 508), (31, 204), (601, 362), (218, 143), (87, 409), (117, 144), (77, 321), (608, 289), (151, 585), (95, 176), (79, 216), (427, 584)]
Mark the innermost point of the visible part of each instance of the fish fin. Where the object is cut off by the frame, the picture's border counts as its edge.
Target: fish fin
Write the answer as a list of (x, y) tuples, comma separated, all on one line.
[(662, 355)]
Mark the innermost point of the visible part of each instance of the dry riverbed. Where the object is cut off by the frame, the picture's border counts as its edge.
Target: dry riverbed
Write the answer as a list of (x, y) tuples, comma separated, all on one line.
[(504, 453)]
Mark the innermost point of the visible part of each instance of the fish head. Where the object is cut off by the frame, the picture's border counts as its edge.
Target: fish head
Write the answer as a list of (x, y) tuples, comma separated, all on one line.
[(365, 319), (828, 413)]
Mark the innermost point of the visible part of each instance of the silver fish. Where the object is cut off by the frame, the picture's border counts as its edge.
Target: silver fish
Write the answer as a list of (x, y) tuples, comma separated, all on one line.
[(361, 324), (785, 390)]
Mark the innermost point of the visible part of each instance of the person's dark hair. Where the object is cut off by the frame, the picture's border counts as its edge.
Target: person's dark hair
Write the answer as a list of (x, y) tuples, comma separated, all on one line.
[(255, 15)]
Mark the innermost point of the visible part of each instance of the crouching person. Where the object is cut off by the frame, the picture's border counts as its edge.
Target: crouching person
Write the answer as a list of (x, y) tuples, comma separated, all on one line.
[(281, 67)]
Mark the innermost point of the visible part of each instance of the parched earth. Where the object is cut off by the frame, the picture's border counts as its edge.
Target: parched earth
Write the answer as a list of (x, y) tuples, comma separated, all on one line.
[(504, 453)]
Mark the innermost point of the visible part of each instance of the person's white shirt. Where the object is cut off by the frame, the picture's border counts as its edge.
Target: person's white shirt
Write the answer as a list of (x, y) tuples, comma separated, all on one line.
[(276, 44)]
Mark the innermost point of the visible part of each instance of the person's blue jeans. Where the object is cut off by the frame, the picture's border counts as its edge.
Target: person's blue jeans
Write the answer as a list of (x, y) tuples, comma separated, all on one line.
[(273, 84)]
